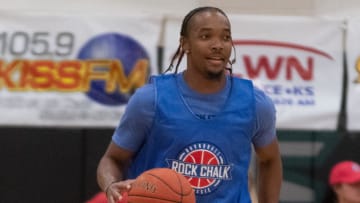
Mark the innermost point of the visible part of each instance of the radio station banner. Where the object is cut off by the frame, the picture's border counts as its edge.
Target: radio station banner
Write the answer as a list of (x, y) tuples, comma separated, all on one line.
[(297, 61), (72, 70), (353, 74)]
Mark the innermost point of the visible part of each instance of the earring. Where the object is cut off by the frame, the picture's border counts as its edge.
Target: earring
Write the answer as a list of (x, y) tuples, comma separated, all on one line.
[(187, 51)]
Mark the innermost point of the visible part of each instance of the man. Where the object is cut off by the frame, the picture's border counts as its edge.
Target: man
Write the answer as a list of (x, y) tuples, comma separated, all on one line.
[(201, 122), (345, 181)]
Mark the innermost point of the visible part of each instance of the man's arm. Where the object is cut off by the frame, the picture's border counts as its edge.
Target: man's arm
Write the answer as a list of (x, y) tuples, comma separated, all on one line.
[(110, 172), (270, 172)]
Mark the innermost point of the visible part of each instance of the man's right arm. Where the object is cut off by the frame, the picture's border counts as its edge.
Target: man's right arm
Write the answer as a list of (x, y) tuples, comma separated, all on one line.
[(110, 172), (128, 137)]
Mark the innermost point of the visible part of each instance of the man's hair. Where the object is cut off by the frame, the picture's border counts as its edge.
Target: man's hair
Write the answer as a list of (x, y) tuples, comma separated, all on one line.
[(184, 32), (187, 18)]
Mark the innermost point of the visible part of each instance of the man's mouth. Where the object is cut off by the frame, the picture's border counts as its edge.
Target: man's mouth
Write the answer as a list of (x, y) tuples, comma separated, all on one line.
[(216, 60)]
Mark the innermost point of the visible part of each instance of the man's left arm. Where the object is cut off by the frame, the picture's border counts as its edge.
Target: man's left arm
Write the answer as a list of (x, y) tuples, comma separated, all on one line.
[(270, 172)]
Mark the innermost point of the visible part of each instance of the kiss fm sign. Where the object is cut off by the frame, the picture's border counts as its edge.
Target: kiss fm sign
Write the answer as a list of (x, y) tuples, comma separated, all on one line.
[(78, 73)]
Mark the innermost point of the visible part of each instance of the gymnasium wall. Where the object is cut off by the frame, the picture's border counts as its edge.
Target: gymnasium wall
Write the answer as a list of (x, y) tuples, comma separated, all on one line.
[(341, 8)]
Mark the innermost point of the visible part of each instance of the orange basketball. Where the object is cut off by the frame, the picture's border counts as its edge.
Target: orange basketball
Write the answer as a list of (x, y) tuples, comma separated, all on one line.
[(161, 185)]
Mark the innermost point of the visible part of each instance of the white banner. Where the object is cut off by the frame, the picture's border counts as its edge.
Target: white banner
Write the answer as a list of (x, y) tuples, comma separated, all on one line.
[(353, 71), (297, 61), (73, 70)]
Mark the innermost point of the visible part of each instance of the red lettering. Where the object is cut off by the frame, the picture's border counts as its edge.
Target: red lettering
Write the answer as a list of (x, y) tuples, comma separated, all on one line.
[(69, 73), (306, 73), (272, 72), (25, 76), (41, 72), (6, 73), (263, 63)]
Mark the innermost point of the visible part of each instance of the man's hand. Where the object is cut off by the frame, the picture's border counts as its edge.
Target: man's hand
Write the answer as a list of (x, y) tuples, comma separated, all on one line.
[(115, 190)]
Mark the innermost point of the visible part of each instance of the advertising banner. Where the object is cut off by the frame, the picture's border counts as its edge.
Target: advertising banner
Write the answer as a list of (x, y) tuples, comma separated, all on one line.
[(297, 61), (72, 70), (353, 74)]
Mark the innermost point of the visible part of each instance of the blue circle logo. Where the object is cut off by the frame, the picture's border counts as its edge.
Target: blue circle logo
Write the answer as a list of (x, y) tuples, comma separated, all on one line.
[(118, 65)]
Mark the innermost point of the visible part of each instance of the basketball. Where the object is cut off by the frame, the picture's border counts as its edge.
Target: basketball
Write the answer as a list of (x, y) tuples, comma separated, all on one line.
[(161, 185)]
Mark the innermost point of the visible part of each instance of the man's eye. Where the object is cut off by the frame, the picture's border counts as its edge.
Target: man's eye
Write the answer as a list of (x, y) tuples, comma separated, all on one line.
[(204, 36), (227, 38)]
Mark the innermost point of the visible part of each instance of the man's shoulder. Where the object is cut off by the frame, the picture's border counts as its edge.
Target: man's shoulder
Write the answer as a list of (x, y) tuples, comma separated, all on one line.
[(261, 97), (145, 90), (263, 104)]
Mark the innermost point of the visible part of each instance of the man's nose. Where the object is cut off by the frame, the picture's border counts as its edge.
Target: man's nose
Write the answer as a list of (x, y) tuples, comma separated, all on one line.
[(217, 44)]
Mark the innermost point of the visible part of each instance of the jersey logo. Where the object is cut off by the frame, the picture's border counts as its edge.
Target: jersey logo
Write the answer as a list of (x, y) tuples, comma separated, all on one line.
[(204, 165)]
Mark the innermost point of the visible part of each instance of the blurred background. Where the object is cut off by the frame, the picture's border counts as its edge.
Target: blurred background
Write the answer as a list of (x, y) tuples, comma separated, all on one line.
[(67, 69)]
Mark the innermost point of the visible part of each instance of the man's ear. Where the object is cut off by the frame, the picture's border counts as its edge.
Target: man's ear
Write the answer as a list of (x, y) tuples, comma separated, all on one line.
[(184, 44)]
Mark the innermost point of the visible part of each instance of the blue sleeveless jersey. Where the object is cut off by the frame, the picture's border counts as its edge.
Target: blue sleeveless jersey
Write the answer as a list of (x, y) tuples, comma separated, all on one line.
[(212, 154)]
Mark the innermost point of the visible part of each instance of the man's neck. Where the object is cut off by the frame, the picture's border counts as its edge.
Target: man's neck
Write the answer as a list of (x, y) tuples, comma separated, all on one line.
[(203, 84)]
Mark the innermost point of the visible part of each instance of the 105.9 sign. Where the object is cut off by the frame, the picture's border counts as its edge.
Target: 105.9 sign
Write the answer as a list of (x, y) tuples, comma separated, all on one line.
[(37, 44)]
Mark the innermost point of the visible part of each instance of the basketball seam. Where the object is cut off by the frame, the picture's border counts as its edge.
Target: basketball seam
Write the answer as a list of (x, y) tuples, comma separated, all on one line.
[(178, 175), (181, 187), (181, 194)]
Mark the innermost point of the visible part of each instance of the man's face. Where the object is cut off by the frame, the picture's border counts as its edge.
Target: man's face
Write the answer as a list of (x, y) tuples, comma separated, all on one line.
[(349, 193), (209, 42)]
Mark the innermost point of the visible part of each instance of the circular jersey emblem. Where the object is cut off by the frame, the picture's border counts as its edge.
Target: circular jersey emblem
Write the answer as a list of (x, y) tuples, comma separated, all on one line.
[(124, 54), (204, 165)]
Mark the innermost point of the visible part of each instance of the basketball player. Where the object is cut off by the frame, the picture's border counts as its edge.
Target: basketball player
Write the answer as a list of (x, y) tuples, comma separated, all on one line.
[(200, 122)]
